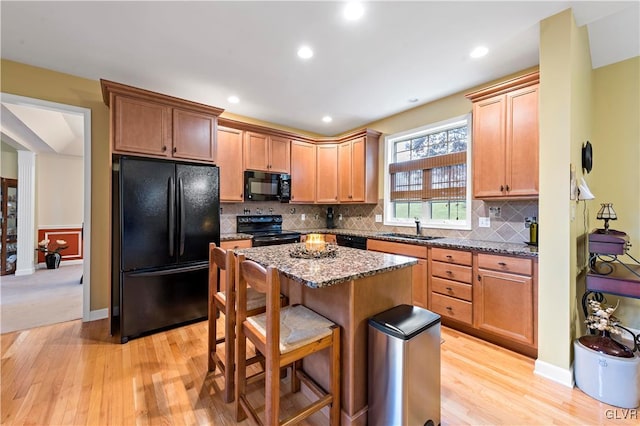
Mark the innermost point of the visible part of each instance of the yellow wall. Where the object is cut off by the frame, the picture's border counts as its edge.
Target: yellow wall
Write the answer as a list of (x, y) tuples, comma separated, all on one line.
[(564, 123), (615, 177), (8, 162), (39, 83)]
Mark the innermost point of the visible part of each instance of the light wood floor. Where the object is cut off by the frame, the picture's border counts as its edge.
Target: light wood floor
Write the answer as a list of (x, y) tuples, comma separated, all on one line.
[(74, 373)]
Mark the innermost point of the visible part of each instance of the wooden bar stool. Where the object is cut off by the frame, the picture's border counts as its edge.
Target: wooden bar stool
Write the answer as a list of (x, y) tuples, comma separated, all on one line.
[(284, 336), (222, 299)]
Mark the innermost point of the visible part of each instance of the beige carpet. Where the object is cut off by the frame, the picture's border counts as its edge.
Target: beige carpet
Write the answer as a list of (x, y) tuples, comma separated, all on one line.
[(46, 297)]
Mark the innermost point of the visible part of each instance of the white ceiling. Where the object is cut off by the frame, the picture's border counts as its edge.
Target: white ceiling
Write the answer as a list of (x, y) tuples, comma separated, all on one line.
[(361, 71)]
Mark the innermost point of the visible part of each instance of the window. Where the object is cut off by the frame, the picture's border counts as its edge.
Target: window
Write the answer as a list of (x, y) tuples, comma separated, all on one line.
[(427, 175)]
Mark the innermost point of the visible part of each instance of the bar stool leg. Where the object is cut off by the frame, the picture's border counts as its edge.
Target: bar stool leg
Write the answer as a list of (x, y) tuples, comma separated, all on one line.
[(334, 378)]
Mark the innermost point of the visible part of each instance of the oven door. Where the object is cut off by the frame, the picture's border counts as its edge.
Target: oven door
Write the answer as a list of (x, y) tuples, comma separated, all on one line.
[(272, 240)]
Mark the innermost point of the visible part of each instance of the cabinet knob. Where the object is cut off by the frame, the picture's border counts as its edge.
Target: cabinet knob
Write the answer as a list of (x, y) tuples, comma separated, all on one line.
[(164, 148), (507, 188), (175, 149), (501, 188)]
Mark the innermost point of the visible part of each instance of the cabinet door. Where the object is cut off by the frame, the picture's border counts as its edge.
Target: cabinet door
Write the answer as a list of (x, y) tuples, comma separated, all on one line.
[(193, 135), (141, 127), (344, 172), (230, 162), (279, 154), (489, 147), (327, 174), (522, 142), (503, 305), (419, 284), (358, 182), (303, 172), (256, 151)]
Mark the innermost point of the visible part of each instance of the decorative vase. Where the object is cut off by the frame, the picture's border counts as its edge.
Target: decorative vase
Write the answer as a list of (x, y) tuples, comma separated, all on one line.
[(614, 380), (52, 260)]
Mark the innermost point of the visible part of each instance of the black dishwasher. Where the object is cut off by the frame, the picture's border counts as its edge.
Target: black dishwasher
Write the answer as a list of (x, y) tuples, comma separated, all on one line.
[(352, 241)]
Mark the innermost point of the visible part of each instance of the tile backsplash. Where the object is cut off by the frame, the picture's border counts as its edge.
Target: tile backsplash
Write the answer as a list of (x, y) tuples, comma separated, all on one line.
[(507, 226)]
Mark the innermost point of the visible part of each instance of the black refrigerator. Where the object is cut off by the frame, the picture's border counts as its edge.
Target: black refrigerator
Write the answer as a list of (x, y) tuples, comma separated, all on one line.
[(165, 214)]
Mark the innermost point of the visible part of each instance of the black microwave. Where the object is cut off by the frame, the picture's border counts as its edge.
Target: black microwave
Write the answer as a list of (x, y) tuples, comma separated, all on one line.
[(260, 186)]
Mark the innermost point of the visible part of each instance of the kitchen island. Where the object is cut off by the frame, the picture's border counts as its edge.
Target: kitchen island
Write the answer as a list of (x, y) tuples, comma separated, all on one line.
[(348, 289)]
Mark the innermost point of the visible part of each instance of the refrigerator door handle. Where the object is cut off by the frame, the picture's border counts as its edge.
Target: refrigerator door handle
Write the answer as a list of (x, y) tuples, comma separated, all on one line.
[(182, 218), (190, 268), (172, 215)]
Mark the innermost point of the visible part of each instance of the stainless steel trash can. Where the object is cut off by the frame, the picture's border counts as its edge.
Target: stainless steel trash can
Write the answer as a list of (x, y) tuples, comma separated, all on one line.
[(404, 367)]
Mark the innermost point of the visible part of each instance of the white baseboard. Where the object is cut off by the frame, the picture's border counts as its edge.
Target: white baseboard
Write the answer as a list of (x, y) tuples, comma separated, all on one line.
[(27, 271), (98, 314), (555, 373), (43, 265)]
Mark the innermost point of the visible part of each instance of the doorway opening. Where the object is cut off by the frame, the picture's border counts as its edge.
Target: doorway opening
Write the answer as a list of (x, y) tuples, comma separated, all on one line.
[(29, 144)]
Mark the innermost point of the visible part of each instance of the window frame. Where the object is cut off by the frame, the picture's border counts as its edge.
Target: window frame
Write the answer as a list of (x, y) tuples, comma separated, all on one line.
[(425, 220)]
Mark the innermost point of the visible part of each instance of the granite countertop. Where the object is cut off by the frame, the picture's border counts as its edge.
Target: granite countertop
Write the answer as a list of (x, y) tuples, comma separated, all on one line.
[(349, 264), (454, 243), (233, 237)]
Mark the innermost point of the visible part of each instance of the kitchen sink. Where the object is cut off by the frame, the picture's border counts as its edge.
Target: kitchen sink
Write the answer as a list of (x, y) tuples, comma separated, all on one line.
[(409, 236)]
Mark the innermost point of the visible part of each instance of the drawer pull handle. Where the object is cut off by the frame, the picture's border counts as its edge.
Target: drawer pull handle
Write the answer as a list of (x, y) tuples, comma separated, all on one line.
[(502, 264), (448, 272), (449, 289), (449, 308), (449, 257)]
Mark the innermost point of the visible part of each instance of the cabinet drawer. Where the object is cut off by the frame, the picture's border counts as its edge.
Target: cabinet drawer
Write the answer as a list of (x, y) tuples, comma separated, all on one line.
[(235, 244), (451, 256), (516, 265), (451, 288), (451, 308), (451, 271), (397, 248)]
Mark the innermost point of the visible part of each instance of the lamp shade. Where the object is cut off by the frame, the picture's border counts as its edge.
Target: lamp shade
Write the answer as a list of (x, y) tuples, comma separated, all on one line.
[(606, 212)]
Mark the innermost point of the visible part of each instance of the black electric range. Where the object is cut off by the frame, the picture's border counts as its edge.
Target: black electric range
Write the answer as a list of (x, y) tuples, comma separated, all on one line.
[(265, 229)]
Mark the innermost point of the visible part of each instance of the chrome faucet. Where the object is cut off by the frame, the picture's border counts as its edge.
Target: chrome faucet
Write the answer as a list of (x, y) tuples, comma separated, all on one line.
[(418, 228)]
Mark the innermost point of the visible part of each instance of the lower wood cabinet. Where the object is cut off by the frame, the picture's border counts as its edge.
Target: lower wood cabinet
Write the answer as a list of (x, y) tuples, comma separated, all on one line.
[(504, 297), (450, 283), (493, 297), (419, 289)]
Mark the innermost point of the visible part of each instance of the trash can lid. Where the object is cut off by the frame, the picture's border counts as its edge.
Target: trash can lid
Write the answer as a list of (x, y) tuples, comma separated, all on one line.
[(404, 321)]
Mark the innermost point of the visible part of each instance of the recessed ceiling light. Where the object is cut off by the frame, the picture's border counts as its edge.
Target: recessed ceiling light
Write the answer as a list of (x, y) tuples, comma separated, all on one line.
[(413, 100), (479, 52), (305, 52), (353, 11), (233, 99), (327, 119)]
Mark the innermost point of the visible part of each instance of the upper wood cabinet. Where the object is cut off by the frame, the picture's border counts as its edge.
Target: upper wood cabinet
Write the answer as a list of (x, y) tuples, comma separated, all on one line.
[(229, 159), (327, 173), (268, 153), (358, 170), (505, 139), (303, 172), (156, 125), (194, 135)]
